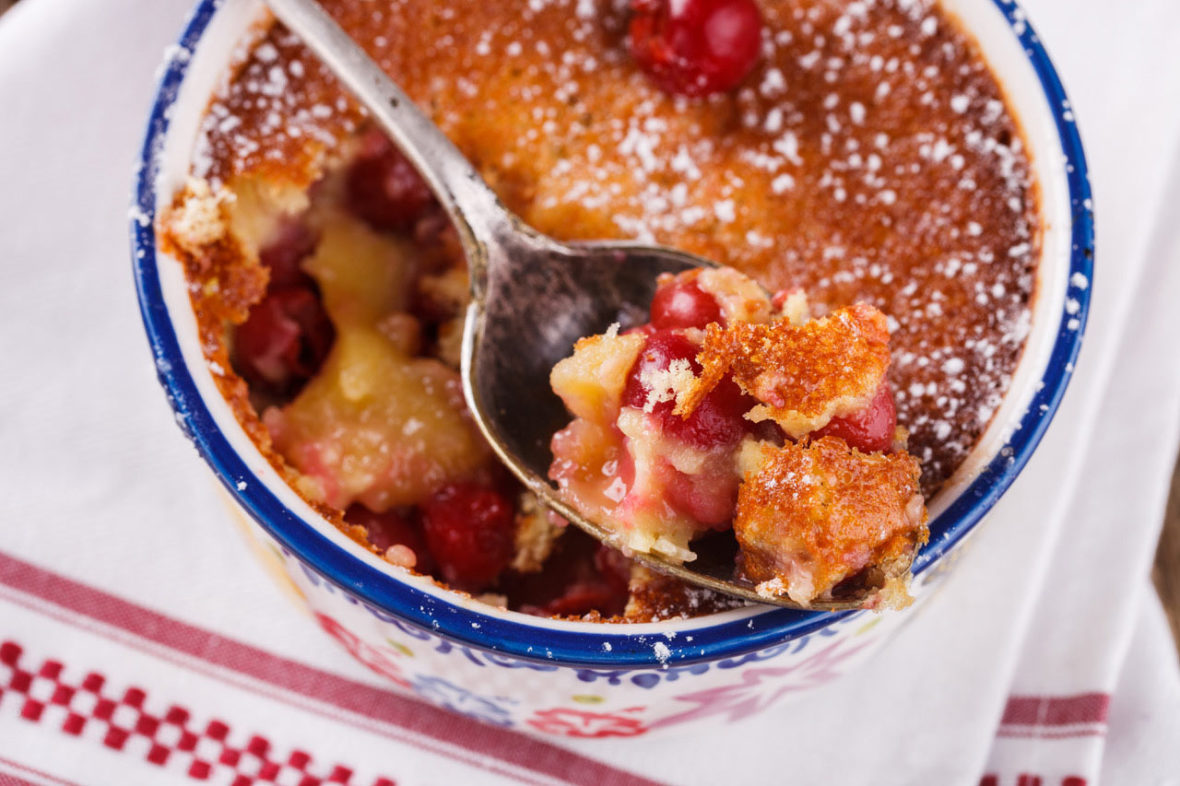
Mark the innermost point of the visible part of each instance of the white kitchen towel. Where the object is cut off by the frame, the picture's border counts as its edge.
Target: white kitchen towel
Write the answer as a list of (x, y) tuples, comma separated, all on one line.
[(139, 642), (1056, 728)]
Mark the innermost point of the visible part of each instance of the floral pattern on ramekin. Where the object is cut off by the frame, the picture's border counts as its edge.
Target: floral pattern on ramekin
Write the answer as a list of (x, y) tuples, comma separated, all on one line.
[(576, 701)]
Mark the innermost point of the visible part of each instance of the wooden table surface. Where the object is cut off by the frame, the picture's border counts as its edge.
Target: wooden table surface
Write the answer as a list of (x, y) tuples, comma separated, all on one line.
[(1166, 572), (1167, 558)]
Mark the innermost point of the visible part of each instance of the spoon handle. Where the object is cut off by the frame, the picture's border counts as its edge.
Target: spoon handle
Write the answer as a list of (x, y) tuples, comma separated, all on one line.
[(470, 203)]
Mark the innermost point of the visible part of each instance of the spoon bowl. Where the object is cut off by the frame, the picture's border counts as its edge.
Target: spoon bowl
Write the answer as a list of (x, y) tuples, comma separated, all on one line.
[(527, 311), (532, 298), (535, 309)]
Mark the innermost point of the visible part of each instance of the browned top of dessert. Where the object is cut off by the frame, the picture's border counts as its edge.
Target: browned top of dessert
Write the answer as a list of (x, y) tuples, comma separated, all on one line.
[(803, 374), (814, 514), (868, 157)]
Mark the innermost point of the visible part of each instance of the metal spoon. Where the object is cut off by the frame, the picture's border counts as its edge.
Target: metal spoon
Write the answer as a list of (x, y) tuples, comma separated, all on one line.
[(532, 297)]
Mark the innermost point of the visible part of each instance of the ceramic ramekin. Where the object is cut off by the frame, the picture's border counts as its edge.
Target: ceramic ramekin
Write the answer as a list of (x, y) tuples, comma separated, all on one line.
[(585, 679)]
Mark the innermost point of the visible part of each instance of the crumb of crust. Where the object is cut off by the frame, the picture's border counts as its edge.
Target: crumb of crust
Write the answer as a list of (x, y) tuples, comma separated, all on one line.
[(668, 384), (812, 515), (656, 597), (771, 588), (740, 298), (895, 591), (197, 216), (536, 533), (401, 556), (794, 307), (490, 599), (803, 376)]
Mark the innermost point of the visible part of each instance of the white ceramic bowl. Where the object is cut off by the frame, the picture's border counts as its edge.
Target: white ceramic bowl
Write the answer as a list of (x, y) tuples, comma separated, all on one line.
[(585, 679)]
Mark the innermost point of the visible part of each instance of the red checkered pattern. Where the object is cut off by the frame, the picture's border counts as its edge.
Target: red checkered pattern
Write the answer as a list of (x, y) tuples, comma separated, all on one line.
[(1028, 779), (173, 738)]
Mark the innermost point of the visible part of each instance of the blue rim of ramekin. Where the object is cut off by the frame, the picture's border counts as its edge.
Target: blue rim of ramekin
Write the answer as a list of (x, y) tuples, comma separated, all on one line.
[(611, 648)]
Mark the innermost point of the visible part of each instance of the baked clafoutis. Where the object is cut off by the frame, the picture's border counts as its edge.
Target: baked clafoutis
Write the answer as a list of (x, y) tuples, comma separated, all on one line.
[(858, 158)]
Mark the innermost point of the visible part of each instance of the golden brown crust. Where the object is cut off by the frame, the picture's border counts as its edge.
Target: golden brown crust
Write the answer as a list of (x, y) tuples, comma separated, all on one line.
[(223, 281), (810, 515), (803, 375)]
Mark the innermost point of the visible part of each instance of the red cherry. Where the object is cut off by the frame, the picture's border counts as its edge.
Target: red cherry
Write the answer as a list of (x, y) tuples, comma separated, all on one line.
[(391, 528), (284, 341), (293, 242), (384, 189), (594, 577), (683, 304), (717, 421), (696, 47), (869, 430), (471, 533)]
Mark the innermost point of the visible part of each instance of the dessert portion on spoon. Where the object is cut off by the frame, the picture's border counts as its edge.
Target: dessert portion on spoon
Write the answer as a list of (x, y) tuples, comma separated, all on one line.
[(732, 410)]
